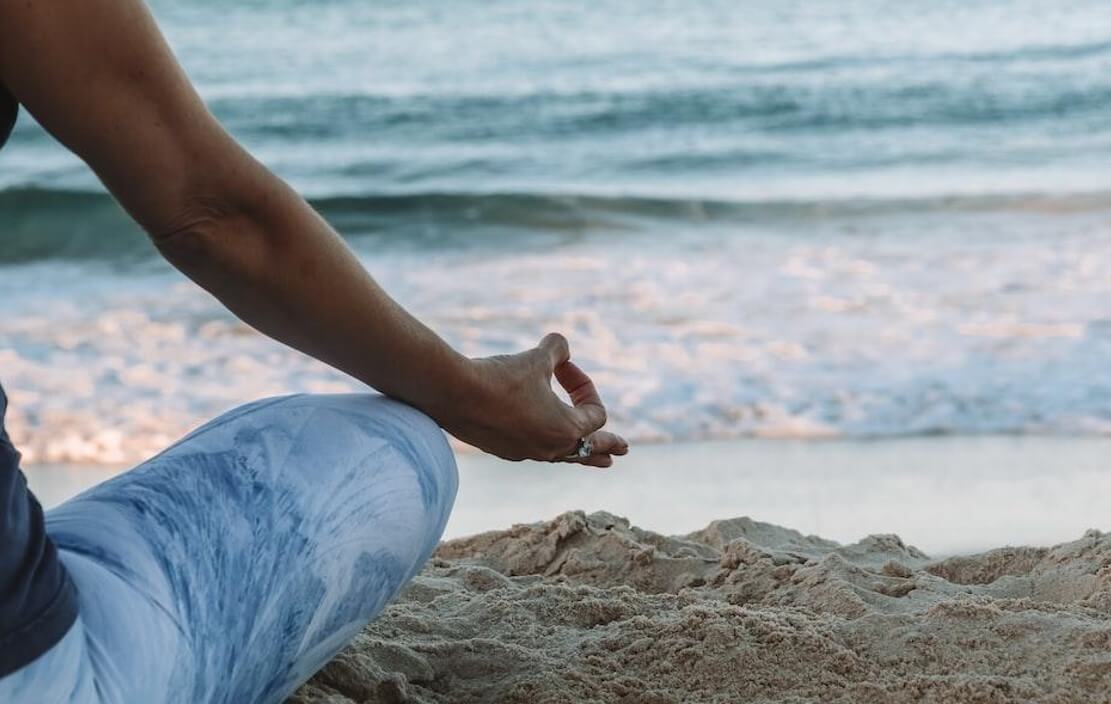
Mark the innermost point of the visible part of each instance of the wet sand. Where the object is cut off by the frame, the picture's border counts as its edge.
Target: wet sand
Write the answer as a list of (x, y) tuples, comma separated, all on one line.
[(946, 495)]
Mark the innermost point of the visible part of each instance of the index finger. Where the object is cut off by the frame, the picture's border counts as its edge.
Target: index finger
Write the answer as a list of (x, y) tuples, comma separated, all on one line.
[(583, 393)]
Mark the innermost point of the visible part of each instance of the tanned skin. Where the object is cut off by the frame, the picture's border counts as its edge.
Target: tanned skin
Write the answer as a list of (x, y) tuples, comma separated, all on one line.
[(98, 75)]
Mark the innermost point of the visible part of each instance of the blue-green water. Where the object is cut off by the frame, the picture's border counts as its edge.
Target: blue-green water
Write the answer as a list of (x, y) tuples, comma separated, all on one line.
[(708, 99), (790, 218)]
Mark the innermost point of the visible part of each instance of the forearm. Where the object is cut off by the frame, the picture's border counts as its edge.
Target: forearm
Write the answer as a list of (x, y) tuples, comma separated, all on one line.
[(99, 76), (128, 110), (273, 261)]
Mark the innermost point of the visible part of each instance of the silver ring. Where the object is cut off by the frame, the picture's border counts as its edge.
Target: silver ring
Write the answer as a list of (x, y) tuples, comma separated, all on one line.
[(585, 448)]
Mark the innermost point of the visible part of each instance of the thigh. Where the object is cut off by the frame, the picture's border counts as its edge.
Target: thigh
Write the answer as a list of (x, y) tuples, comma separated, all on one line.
[(61, 675), (257, 546)]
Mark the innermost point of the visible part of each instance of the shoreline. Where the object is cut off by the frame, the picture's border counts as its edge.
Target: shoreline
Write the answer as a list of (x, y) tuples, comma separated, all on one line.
[(947, 495)]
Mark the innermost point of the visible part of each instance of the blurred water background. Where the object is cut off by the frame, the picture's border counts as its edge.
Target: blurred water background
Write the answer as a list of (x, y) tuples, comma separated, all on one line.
[(786, 220)]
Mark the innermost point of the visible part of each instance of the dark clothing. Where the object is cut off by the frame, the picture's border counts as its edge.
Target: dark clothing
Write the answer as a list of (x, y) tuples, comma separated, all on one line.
[(9, 109), (38, 602)]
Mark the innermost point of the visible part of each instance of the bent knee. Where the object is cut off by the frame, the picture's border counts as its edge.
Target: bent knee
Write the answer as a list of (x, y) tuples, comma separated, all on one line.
[(412, 433), (313, 446), (409, 457), (361, 422)]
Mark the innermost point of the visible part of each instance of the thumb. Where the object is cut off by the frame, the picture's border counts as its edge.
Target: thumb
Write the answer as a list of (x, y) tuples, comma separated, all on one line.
[(555, 346)]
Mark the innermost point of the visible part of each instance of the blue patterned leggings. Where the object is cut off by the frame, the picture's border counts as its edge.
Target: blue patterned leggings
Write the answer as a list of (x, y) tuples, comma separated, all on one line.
[(236, 563)]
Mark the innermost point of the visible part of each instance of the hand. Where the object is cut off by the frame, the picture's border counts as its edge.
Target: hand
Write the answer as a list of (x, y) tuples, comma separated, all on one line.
[(511, 410)]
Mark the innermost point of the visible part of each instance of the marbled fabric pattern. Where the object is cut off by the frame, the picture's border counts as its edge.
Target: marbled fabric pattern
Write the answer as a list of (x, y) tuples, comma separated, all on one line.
[(236, 563)]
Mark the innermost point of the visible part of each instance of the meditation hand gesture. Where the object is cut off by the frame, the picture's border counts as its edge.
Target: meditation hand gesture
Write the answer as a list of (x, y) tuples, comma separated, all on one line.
[(514, 413), (319, 507)]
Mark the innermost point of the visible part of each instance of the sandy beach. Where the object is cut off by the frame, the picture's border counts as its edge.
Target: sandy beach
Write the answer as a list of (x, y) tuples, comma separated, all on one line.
[(838, 273), (588, 608)]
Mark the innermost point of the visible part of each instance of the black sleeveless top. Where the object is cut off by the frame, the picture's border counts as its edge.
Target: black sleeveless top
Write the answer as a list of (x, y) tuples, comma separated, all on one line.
[(38, 603)]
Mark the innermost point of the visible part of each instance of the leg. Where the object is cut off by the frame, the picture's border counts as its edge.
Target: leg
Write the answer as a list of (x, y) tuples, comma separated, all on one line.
[(61, 675), (233, 565)]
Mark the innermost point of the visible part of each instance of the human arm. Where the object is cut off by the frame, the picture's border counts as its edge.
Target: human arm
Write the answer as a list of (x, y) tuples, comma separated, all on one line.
[(98, 75)]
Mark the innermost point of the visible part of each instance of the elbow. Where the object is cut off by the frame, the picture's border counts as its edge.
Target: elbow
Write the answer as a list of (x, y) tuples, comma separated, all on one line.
[(236, 223), (222, 218), (217, 239), (195, 229)]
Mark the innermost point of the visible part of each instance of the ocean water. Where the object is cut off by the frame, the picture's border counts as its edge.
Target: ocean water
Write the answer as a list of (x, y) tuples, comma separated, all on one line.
[(791, 219)]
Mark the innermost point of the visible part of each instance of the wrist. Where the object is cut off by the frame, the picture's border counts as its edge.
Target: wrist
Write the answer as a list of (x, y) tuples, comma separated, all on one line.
[(455, 392)]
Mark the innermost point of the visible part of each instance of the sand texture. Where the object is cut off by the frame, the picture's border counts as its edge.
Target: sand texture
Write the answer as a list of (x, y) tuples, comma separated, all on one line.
[(587, 608)]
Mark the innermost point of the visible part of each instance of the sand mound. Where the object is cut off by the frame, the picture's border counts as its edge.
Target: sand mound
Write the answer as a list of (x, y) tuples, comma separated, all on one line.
[(590, 609)]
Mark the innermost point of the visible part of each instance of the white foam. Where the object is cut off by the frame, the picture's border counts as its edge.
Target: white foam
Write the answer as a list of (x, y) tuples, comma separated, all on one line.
[(944, 323)]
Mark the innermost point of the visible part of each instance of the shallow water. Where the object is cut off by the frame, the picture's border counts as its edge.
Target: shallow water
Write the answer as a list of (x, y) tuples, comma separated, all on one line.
[(943, 495), (789, 220)]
